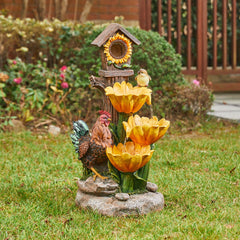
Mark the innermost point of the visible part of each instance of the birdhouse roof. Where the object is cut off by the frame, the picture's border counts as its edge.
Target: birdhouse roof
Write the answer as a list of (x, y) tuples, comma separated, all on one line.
[(109, 31)]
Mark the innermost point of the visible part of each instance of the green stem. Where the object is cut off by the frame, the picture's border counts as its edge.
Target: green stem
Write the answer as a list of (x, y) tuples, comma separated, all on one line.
[(120, 129), (127, 182)]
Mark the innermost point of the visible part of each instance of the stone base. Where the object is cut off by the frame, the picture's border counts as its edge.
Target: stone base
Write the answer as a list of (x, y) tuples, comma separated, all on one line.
[(137, 204)]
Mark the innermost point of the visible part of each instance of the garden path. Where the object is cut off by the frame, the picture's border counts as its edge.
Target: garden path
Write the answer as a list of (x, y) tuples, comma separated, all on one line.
[(227, 106)]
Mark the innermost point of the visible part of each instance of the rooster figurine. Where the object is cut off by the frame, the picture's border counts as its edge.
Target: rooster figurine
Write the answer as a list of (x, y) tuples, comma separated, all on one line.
[(91, 149)]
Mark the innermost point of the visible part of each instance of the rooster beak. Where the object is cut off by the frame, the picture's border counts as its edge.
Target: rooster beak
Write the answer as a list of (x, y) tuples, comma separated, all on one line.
[(109, 119)]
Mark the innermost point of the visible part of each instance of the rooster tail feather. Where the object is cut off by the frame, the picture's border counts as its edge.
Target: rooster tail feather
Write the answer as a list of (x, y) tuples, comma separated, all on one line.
[(80, 128)]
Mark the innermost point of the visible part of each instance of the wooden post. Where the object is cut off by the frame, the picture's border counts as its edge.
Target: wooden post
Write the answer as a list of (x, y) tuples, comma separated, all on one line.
[(202, 40)]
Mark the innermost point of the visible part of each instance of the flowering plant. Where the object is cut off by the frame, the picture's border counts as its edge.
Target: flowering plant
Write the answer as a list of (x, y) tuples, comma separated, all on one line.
[(129, 160), (33, 88)]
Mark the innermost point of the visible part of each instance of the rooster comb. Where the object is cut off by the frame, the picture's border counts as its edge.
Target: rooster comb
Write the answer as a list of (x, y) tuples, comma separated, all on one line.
[(101, 112)]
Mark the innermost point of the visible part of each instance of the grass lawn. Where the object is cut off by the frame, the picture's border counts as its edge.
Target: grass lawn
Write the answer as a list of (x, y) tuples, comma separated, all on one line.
[(198, 174)]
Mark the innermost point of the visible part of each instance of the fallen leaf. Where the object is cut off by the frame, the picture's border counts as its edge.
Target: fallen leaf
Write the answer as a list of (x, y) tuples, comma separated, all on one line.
[(68, 189), (236, 183), (206, 169), (229, 226), (46, 221), (200, 205), (67, 221), (196, 163), (222, 169), (231, 171)]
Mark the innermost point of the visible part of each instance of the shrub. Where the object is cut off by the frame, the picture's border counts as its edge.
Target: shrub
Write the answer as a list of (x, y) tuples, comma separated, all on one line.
[(35, 88), (65, 43), (187, 102), (159, 58)]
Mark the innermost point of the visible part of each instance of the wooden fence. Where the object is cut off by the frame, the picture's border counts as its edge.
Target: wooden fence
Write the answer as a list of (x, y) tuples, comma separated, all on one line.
[(215, 44)]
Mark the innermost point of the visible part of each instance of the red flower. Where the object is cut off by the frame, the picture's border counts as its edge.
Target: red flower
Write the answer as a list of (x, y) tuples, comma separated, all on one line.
[(14, 62), (64, 85), (17, 80), (63, 68), (62, 76)]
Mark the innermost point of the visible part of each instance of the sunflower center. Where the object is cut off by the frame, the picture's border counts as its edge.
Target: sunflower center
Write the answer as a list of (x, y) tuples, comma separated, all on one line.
[(118, 49)]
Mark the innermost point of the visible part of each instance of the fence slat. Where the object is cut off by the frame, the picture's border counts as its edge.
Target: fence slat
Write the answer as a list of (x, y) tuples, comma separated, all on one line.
[(224, 33), (205, 41), (199, 39), (149, 13), (189, 35), (202, 40), (142, 16), (234, 34), (214, 34), (179, 27), (160, 17), (169, 17)]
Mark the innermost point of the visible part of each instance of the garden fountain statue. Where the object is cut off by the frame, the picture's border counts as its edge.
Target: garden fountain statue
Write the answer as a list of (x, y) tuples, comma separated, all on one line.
[(118, 153)]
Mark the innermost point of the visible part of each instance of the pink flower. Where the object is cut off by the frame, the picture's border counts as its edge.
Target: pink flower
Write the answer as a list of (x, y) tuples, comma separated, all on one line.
[(64, 85), (196, 82), (62, 76), (17, 80), (63, 68), (14, 62)]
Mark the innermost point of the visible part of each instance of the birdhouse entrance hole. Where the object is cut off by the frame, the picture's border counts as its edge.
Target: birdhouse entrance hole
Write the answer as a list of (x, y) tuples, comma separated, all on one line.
[(118, 49)]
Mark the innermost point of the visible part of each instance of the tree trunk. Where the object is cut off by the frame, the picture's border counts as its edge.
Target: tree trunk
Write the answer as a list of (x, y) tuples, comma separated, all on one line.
[(50, 9), (40, 10), (86, 10), (75, 10), (61, 9), (64, 6), (24, 9)]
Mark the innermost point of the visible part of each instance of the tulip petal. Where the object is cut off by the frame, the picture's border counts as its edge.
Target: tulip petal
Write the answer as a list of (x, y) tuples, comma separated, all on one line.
[(126, 98), (132, 156), (145, 131)]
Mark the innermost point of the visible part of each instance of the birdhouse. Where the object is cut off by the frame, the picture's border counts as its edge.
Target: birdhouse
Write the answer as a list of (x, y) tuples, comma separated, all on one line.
[(115, 44)]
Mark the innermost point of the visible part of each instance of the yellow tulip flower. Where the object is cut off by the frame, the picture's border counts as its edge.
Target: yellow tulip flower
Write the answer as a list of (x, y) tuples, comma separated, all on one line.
[(126, 98), (145, 131), (129, 157)]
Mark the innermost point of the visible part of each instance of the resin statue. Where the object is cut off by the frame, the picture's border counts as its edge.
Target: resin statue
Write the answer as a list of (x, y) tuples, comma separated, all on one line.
[(119, 153)]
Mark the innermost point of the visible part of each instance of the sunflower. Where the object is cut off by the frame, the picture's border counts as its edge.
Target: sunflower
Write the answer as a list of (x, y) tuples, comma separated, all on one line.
[(118, 49)]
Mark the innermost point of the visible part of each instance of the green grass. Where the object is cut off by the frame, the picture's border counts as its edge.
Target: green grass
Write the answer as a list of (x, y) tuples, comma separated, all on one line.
[(197, 173)]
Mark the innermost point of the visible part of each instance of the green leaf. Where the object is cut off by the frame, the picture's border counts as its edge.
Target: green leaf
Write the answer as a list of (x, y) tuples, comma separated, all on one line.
[(114, 172), (2, 94), (30, 118)]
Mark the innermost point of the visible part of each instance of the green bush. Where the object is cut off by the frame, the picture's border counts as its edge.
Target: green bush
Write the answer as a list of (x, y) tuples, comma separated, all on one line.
[(40, 49), (65, 43), (190, 102), (158, 57)]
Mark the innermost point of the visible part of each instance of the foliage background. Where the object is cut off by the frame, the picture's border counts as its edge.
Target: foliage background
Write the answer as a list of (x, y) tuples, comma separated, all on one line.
[(41, 48)]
